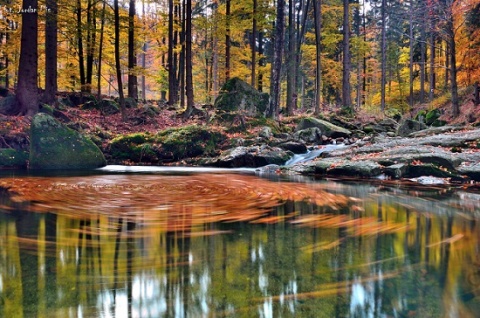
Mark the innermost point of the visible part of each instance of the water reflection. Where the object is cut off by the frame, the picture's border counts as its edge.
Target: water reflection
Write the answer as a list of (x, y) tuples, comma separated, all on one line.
[(386, 252)]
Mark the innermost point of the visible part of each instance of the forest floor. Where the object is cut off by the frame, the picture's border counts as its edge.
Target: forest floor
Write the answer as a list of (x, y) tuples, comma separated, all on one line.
[(91, 120)]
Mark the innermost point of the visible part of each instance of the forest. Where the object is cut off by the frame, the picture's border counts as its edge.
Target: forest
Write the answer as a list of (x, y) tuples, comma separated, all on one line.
[(381, 56)]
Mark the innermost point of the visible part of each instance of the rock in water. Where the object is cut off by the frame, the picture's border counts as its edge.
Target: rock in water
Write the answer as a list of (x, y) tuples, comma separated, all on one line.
[(54, 146)]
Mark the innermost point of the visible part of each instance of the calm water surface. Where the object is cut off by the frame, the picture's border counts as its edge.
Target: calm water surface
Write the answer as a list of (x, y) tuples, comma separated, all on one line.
[(235, 245)]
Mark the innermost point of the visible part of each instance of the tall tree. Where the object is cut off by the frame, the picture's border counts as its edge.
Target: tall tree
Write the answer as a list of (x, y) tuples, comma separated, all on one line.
[(188, 59), (81, 59), (347, 64), (383, 48), (317, 11), (274, 106), (291, 60), (172, 91), (27, 88), (118, 66), (100, 51), (51, 49), (254, 43), (227, 38), (132, 56)]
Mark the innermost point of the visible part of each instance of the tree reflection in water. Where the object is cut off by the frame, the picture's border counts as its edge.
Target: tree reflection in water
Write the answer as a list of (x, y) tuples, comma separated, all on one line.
[(194, 254)]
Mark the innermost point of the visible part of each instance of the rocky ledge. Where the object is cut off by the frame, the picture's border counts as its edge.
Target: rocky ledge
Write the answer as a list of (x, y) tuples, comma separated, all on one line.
[(438, 153)]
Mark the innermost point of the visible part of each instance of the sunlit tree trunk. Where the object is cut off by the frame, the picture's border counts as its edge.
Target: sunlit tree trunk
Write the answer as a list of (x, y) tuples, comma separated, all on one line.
[(50, 52), (81, 60), (422, 63), (27, 87)]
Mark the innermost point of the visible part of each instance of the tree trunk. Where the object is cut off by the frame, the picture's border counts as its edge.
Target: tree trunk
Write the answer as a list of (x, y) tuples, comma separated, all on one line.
[(50, 52), (431, 74), (132, 56), (476, 94), (261, 61), (317, 11), (291, 60), (170, 61), (227, 40), (91, 37), (181, 62), (117, 60), (27, 88), (453, 75), (253, 43), (274, 107), (80, 46), (383, 46), (422, 63), (100, 53), (188, 59), (410, 23), (347, 65)]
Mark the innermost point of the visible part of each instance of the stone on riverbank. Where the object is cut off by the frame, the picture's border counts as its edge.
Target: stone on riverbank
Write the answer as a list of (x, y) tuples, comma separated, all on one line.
[(254, 156), (54, 146), (326, 128)]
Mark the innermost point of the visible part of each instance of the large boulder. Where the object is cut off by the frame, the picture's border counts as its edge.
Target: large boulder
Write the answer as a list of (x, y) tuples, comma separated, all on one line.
[(11, 158), (238, 96), (55, 146), (327, 129)]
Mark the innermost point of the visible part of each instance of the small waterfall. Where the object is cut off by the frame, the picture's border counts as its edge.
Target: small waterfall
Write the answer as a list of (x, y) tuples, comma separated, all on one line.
[(312, 154)]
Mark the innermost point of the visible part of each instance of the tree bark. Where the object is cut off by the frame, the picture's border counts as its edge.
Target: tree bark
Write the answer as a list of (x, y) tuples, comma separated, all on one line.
[(410, 28), (117, 60), (81, 60), (347, 64), (254, 43), (291, 60), (50, 52), (317, 11), (100, 53), (476, 94), (431, 74), (132, 56), (188, 59), (227, 40), (27, 88), (91, 37), (170, 59), (383, 46), (274, 106)]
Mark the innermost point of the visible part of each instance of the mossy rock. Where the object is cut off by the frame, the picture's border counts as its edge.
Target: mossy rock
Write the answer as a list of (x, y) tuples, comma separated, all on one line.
[(190, 141), (238, 96), (11, 158), (133, 147), (55, 146)]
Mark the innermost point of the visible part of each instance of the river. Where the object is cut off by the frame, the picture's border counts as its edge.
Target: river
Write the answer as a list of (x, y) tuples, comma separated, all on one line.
[(148, 242)]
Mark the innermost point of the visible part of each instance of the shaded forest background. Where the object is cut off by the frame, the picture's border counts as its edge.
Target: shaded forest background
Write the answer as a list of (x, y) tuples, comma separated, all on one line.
[(379, 56)]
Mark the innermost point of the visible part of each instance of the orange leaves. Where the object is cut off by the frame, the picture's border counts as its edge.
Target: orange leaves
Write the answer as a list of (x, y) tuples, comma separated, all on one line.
[(172, 202)]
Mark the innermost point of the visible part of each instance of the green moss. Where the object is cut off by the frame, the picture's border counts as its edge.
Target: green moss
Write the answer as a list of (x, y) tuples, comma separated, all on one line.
[(129, 147), (54, 146), (13, 158), (190, 141)]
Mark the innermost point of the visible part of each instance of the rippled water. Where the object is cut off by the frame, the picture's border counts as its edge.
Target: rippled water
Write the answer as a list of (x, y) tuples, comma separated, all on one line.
[(235, 245)]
